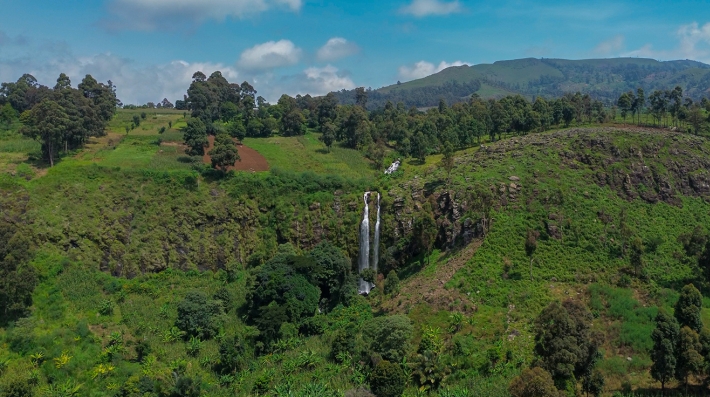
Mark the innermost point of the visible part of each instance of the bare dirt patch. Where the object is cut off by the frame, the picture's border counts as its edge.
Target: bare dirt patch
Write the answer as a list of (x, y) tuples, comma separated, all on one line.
[(251, 160), (431, 289)]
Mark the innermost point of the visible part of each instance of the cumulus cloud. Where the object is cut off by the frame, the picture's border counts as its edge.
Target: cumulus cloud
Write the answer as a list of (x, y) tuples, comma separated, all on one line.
[(693, 43), (611, 46), (336, 48), (313, 81), (424, 68), (270, 55), (423, 8), (173, 14), (323, 80)]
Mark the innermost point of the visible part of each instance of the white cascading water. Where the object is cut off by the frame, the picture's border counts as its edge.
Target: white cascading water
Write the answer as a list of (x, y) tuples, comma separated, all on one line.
[(364, 287), (376, 241)]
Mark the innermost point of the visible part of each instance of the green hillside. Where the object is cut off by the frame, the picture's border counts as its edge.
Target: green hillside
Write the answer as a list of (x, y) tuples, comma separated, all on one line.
[(603, 79), (122, 238)]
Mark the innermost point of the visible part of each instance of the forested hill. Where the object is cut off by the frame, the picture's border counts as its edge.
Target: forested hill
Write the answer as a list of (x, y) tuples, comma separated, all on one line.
[(603, 79)]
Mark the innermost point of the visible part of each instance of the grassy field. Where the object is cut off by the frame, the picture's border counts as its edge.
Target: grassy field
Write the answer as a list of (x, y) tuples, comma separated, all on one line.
[(307, 153), (154, 120)]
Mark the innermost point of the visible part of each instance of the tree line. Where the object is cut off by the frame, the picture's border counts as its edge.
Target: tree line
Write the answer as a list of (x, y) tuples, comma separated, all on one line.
[(666, 107), (62, 117), (234, 109)]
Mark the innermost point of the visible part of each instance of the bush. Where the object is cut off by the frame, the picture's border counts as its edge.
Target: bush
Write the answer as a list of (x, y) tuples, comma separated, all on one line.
[(390, 336), (534, 382), (387, 380), (391, 283), (232, 353), (196, 315), (16, 388), (186, 387), (106, 307), (142, 349), (312, 326), (343, 344), (223, 296)]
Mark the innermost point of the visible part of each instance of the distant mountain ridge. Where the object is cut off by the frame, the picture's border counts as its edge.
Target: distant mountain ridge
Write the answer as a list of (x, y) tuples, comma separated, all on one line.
[(603, 79)]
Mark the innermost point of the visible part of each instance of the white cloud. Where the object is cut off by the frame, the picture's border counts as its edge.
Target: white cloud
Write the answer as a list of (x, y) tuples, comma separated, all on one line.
[(161, 14), (611, 46), (693, 43), (326, 79), (336, 48), (270, 55), (424, 68), (422, 8), (313, 81), (134, 84)]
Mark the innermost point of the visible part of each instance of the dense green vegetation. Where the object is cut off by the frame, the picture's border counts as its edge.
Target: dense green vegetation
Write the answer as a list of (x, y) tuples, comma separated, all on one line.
[(539, 263)]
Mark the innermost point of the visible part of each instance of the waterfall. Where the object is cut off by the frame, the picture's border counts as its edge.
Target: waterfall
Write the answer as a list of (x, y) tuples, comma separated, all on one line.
[(364, 287), (376, 242)]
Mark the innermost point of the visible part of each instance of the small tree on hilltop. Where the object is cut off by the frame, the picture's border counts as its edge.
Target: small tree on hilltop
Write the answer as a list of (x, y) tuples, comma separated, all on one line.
[(49, 123), (224, 154), (328, 137), (663, 354), (195, 136)]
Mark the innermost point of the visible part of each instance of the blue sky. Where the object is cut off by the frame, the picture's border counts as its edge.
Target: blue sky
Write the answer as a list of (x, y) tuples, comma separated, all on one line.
[(150, 48)]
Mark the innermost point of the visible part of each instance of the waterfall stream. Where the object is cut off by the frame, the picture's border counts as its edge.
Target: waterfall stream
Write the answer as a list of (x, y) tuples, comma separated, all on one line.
[(376, 241), (364, 287)]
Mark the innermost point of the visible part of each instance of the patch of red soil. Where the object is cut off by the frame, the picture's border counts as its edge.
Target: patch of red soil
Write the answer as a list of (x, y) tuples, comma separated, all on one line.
[(251, 160)]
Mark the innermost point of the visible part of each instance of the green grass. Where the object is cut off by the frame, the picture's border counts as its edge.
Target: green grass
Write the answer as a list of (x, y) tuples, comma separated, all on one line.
[(155, 119), (307, 153), (19, 144)]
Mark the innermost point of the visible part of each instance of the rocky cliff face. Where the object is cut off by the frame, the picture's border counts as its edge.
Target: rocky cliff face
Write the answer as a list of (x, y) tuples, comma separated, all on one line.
[(637, 164)]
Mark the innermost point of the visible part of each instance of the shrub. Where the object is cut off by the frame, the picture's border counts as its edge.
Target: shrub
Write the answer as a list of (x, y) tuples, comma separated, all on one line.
[(186, 387), (391, 283), (312, 326), (106, 307), (343, 344), (232, 353), (142, 349), (16, 388), (196, 315), (387, 380), (390, 336), (534, 382), (223, 296)]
